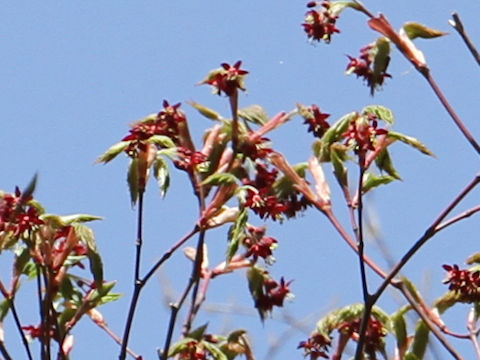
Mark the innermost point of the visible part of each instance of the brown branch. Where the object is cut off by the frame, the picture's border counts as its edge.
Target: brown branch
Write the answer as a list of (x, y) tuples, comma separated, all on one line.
[(458, 25)]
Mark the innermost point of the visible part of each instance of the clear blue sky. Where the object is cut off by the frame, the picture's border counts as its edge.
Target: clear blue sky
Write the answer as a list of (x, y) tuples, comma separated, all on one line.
[(75, 74)]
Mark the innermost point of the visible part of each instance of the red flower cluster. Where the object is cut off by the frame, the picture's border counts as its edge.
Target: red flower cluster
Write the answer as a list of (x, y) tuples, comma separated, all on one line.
[(16, 216), (165, 123), (36, 331), (316, 121), (193, 351), (316, 346), (362, 132), (363, 67), (373, 336), (273, 294), (259, 245), (188, 160), (227, 79), (464, 282), (79, 249), (320, 24), (257, 149)]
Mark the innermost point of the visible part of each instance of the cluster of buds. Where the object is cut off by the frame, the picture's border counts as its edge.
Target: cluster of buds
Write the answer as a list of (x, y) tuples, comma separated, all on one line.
[(16, 215), (466, 283), (320, 23), (316, 346), (373, 336), (362, 133), (362, 66), (226, 79)]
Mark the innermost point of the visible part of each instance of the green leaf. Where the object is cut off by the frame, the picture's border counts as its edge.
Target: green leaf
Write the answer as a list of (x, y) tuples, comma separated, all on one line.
[(205, 111), (371, 181), (58, 221), (179, 346), (411, 356), (415, 143), (198, 333), (336, 7), (112, 152), (333, 134), (4, 307), (384, 163), (339, 168), (215, 351), (283, 187), (473, 259), (254, 114), (236, 234), (21, 261), (220, 179), (381, 112), (420, 339), (132, 180), (95, 261), (161, 174), (256, 279), (380, 62), (414, 30), (400, 330), (162, 140)]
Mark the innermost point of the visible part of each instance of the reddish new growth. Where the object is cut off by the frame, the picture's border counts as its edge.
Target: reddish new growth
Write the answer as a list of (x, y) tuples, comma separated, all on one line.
[(464, 282), (273, 294), (320, 24), (189, 160), (316, 121), (16, 216), (363, 67), (316, 346), (193, 351), (165, 123), (256, 149), (362, 132), (36, 331), (227, 79), (373, 336)]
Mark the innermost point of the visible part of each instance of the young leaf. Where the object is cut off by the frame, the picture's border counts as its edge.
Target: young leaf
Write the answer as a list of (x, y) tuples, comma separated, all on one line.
[(161, 174), (414, 30), (205, 111), (112, 152), (132, 180), (162, 140), (96, 265), (283, 187), (415, 143), (339, 169), (336, 7), (420, 340), (60, 221), (371, 181), (381, 112), (400, 330), (384, 163), (214, 350), (220, 179), (380, 63), (333, 134), (21, 260), (254, 114), (236, 234), (198, 333), (4, 307)]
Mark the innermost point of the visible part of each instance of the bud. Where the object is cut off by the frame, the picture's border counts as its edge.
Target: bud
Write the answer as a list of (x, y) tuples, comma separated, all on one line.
[(321, 185), (96, 316), (67, 344)]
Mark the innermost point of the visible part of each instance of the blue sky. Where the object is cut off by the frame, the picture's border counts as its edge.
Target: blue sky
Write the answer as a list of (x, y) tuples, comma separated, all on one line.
[(75, 74)]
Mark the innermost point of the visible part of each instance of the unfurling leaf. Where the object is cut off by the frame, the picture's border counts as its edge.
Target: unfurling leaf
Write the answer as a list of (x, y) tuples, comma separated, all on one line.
[(339, 169), (400, 330), (254, 114), (198, 333), (420, 339), (236, 234), (414, 30), (205, 111), (132, 180), (380, 64), (95, 261), (112, 152), (161, 174), (415, 143), (381, 112), (384, 163), (333, 134), (220, 179), (65, 220), (371, 181), (161, 140), (214, 350), (336, 7)]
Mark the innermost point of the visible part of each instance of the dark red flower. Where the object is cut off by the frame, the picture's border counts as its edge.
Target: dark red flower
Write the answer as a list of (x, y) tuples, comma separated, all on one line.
[(464, 282), (362, 132), (316, 346), (258, 149), (16, 215), (188, 160), (274, 294), (320, 24), (316, 121), (373, 336), (227, 79), (265, 205), (363, 67), (260, 247)]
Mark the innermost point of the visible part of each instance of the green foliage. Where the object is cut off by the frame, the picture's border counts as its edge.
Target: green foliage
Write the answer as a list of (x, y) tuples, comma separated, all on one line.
[(413, 142), (381, 112), (254, 114), (206, 111), (415, 30), (236, 233), (113, 152), (371, 181)]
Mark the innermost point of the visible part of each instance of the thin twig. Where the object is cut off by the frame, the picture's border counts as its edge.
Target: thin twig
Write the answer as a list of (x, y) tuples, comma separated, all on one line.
[(457, 218), (430, 232), (116, 338), (4, 352), (137, 282), (458, 25), (18, 324)]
